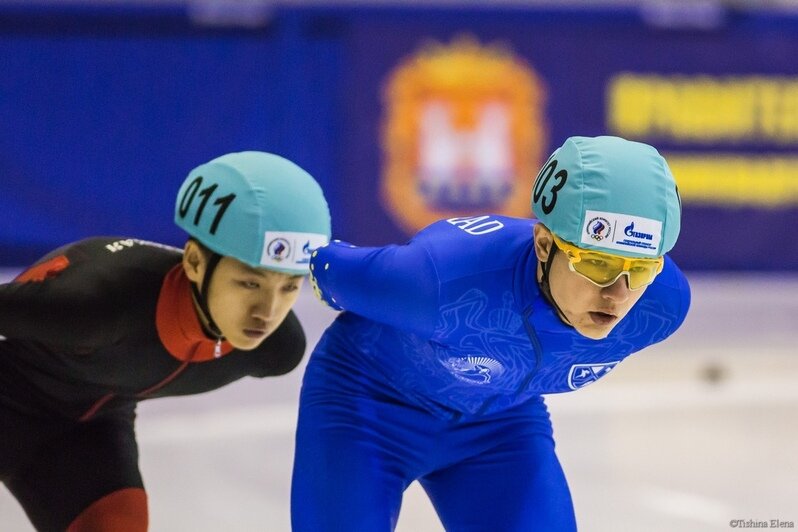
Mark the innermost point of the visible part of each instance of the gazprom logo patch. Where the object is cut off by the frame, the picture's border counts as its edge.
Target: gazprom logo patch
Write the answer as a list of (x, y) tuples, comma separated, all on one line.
[(307, 251), (289, 250), (639, 235), (630, 231), (581, 375)]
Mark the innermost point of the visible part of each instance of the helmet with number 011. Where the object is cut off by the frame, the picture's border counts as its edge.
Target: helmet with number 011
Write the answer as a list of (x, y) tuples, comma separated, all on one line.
[(610, 195), (256, 207)]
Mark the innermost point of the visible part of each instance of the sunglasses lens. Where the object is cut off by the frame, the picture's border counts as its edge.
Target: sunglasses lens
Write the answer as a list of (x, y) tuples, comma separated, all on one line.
[(598, 267), (603, 269), (642, 273)]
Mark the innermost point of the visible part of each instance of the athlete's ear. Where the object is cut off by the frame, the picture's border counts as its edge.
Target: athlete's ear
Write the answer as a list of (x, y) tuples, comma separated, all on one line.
[(193, 261), (543, 241)]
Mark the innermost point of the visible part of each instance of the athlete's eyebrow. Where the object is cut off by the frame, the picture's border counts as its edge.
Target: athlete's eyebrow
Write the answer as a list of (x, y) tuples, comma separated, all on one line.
[(265, 273), (253, 271)]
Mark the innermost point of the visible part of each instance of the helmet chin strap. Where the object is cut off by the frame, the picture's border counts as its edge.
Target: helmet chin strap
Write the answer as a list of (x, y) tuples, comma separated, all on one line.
[(202, 297), (545, 288)]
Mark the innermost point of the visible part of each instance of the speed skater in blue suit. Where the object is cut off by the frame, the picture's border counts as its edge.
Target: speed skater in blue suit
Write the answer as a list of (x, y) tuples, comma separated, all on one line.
[(436, 369)]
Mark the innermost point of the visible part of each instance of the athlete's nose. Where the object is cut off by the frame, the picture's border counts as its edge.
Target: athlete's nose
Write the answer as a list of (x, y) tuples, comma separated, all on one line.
[(267, 307), (618, 291)]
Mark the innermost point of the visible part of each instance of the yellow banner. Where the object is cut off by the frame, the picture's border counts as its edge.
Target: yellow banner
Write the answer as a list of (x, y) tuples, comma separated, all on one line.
[(705, 112), (736, 180), (704, 109)]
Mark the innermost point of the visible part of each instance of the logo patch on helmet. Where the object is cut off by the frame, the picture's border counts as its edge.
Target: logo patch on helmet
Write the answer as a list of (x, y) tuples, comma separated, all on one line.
[(286, 249), (622, 232), (598, 228), (278, 249)]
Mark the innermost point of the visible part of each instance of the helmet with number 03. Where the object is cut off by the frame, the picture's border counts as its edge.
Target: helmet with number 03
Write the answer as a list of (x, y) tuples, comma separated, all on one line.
[(256, 207), (613, 206), (609, 194)]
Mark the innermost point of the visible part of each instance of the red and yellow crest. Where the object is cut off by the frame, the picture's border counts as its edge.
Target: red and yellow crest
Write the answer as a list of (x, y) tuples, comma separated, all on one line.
[(463, 133)]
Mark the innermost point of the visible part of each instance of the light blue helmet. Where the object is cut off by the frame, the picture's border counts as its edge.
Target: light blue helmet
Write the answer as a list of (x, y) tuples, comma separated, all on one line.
[(256, 207), (611, 195)]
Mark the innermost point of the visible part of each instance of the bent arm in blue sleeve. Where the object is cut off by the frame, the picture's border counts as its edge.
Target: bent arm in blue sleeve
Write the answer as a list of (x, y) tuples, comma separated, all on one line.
[(394, 285)]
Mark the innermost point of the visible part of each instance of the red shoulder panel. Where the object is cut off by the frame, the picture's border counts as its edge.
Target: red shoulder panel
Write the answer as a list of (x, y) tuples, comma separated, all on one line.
[(42, 271)]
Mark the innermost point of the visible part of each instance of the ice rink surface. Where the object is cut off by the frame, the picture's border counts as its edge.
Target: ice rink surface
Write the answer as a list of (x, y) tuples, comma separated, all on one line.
[(686, 436)]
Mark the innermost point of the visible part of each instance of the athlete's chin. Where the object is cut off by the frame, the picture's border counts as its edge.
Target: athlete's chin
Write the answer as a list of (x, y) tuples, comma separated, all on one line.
[(595, 332), (244, 346), (248, 341)]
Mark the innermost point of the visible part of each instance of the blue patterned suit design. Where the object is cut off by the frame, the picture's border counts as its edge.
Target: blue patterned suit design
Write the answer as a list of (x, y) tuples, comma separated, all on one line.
[(435, 372), (496, 342)]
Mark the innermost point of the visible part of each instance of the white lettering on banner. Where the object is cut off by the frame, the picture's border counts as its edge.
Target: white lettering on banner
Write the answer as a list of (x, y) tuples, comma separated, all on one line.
[(477, 225)]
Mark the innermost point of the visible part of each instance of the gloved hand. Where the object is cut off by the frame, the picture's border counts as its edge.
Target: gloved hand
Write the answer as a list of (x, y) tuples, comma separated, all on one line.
[(320, 268)]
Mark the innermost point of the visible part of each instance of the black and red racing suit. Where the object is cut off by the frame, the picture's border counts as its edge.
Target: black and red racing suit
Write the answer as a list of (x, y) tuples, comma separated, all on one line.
[(90, 330)]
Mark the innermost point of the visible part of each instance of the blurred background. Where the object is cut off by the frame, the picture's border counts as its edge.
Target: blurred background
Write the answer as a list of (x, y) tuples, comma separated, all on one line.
[(407, 112)]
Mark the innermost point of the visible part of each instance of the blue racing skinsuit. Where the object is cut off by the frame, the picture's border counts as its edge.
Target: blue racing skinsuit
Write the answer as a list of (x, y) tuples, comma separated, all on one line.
[(435, 372)]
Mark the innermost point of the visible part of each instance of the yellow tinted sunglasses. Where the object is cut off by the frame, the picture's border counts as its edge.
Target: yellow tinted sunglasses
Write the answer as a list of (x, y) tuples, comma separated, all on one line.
[(603, 269)]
